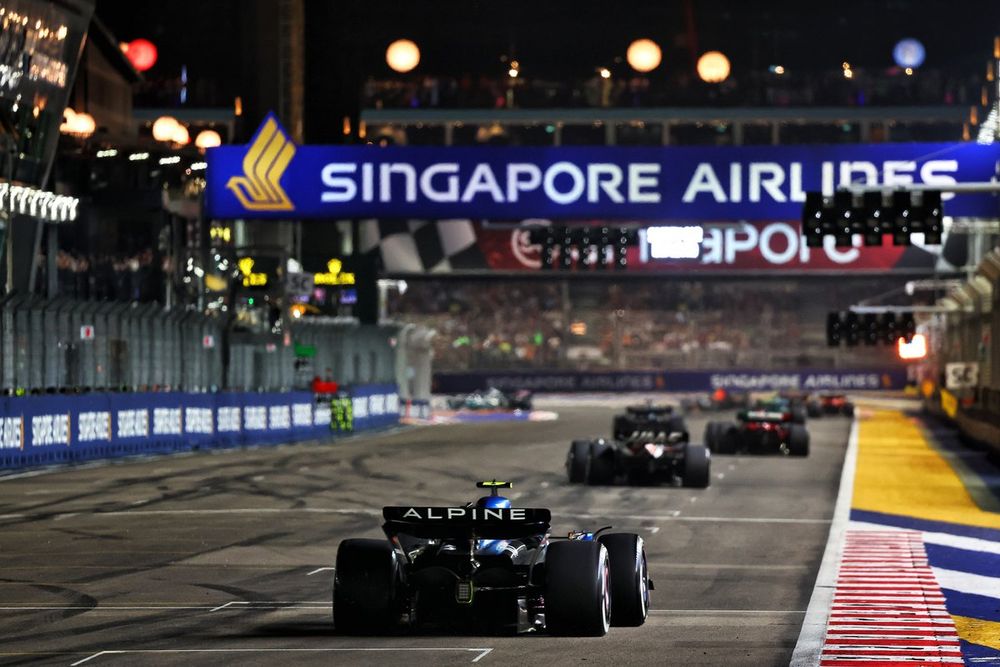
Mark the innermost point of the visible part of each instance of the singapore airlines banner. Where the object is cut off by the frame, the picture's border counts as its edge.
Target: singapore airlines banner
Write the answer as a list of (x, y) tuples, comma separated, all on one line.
[(271, 177)]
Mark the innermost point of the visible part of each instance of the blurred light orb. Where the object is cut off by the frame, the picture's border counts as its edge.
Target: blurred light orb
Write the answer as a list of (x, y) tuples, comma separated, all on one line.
[(402, 55), (164, 128), (79, 124), (208, 139), (141, 53), (909, 52), (180, 135), (713, 67), (644, 55)]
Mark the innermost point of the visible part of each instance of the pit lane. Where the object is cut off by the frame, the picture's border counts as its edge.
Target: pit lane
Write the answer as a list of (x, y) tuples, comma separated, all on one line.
[(225, 557)]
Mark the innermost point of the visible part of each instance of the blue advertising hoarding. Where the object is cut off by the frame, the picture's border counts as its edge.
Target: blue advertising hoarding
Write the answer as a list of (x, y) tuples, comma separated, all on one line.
[(36, 430), (271, 177)]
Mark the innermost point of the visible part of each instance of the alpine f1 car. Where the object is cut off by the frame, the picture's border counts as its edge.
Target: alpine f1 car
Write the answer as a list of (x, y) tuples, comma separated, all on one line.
[(492, 399), (830, 404), (647, 417), (759, 430), (643, 457), (492, 567)]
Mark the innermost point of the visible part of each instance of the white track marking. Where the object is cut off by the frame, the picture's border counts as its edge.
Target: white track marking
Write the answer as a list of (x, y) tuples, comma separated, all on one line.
[(480, 652), (963, 582), (654, 530), (813, 634), (319, 569), (726, 611), (959, 542)]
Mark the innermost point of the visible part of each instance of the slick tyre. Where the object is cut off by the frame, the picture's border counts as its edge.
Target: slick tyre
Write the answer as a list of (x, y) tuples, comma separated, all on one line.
[(365, 587), (814, 409), (577, 589), (600, 465), (576, 461), (798, 440), (697, 466), (629, 578), (798, 415)]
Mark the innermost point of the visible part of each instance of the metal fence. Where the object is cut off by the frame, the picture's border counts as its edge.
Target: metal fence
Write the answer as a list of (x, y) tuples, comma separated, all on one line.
[(69, 346)]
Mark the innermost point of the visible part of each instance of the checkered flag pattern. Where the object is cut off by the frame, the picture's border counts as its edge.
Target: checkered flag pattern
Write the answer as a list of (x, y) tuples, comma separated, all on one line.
[(422, 246)]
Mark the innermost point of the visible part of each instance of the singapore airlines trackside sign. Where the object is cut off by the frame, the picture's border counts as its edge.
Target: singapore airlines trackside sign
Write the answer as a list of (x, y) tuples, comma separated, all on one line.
[(271, 177)]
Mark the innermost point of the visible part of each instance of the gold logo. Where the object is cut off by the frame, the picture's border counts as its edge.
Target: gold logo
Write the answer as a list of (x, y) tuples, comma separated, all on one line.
[(259, 189)]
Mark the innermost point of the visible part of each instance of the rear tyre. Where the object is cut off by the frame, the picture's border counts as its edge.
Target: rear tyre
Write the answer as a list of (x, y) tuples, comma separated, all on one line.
[(600, 464), (697, 467), (798, 415), (719, 439), (814, 409), (848, 409), (798, 440), (577, 589), (576, 462), (711, 436), (365, 587), (629, 579)]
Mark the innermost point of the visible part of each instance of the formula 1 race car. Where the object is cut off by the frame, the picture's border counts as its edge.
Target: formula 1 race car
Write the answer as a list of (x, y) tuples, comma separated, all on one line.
[(758, 431), (792, 404), (647, 417), (488, 566), (492, 399), (719, 399), (644, 457), (830, 404)]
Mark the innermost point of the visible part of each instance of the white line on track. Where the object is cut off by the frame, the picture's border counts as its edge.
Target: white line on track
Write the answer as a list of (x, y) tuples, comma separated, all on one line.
[(480, 652), (319, 569), (809, 647), (726, 611), (718, 566)]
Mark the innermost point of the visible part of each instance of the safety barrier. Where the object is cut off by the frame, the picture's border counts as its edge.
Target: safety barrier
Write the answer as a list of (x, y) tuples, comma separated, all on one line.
[(675, 381), (39, 430)]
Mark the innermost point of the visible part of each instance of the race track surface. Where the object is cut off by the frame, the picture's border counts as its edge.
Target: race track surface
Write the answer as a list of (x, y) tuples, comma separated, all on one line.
[(225, 558)]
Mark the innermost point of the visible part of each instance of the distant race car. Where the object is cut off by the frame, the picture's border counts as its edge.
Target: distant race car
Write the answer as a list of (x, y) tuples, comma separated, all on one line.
[(830, 404), (657, 451), (758, 430), (794, 405), (719, 399), (647, 417), (492, 399), (488, 566)]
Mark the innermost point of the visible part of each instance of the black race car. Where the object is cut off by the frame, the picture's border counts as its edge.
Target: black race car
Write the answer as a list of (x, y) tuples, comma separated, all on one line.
[(492, 399), (647, 417), (829, 404), (489, 567), (644, 457), (760, 430)]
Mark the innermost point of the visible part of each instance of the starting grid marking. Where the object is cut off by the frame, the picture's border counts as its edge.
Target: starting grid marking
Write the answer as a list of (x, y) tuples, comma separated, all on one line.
[(888, 609)]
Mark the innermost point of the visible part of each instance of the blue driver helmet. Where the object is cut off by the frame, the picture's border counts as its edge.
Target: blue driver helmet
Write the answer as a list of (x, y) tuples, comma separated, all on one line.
[(493, 502)]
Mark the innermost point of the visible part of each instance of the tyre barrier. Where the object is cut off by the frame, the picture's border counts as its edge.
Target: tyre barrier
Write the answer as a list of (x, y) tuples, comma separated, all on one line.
[(52, 429)]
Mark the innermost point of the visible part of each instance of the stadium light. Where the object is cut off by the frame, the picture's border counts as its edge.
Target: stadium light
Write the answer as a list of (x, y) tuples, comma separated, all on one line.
[(402, 55), (713, 67), (644, 55)]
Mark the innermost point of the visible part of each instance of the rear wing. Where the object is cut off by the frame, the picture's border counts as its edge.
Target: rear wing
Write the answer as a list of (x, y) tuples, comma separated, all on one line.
[(764, 416), (465, 522), (649, 409)]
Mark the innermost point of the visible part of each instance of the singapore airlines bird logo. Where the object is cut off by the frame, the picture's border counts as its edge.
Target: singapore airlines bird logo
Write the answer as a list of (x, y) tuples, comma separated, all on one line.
[(259, 188)]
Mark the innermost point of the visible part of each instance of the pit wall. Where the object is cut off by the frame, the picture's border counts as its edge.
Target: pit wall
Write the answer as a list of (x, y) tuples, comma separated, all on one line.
[(50, 429), (679, 381)]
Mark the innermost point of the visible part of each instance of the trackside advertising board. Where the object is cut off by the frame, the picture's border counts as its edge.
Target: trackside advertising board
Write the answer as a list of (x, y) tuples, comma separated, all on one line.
[(674, 381), (38, 430), (271, 177)]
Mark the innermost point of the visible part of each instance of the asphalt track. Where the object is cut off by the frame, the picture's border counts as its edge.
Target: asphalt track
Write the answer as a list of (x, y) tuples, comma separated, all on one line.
[(225, 558)]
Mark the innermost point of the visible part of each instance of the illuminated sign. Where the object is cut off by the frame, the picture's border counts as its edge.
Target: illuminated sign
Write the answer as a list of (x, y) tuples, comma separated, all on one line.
[(271, 177), (335, 275), (251, 279), (675, 242)]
